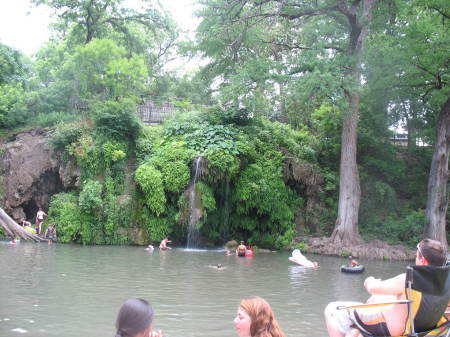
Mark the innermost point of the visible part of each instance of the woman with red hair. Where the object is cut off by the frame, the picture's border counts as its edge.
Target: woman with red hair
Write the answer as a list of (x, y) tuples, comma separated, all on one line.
[(255, 318)]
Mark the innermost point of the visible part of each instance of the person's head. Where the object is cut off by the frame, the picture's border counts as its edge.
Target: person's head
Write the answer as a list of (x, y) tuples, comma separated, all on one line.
[(316, 265), (40, 208), (219, 265), (255, 318), (350, 257), (242, 242), (134, 318), (430, 252)]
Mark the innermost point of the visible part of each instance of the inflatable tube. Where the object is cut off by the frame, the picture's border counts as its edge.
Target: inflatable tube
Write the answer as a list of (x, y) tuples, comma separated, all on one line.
[(347, 269), (249, 253)]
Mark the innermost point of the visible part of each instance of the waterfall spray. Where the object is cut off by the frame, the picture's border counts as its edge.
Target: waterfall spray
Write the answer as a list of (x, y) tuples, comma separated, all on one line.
[(193, 236)]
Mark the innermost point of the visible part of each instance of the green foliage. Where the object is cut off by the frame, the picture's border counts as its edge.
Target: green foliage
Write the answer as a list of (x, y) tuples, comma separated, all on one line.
[(147, 142), (172, 161), (260, 190), (206, 196), (159, 228), (406, 229), (55, 118), (151, 182), (299, 245), (90, 199), (139, 31), (65, 134), (87, 154), (103, 72), (67, 216), (345, 253), (222, 164), (116, 119), (13, 109), (212, 138), (114, 151)]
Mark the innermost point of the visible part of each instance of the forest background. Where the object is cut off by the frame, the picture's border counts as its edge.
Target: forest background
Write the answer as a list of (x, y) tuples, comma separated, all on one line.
[(292, 110)]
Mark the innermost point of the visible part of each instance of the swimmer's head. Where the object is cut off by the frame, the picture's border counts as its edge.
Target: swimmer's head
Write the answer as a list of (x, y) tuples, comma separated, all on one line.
[(219, 265)]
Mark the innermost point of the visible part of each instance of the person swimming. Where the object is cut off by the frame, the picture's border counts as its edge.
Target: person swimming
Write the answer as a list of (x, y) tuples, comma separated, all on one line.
[(241, 249), (218, 266)]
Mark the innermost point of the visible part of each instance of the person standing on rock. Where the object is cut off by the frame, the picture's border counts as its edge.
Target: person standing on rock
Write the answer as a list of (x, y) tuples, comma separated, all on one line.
[(39, 220)]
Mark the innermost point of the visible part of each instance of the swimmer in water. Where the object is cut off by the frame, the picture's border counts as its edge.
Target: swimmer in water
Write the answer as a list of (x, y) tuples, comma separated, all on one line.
[(218, 267)]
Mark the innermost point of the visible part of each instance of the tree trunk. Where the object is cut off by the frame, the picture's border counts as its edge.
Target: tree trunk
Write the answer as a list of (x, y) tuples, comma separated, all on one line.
[(346, 227), (411, 142), (13, 229), (437, 201)]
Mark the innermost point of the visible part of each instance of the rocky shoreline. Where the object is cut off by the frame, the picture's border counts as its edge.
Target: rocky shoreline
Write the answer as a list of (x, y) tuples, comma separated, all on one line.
[(375, 249)]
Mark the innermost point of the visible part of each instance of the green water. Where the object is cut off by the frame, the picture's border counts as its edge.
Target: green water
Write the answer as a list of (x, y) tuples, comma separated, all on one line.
[(76, 291)]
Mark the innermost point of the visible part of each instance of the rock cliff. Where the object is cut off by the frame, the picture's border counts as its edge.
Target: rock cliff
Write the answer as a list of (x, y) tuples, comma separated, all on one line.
[(31, 172)]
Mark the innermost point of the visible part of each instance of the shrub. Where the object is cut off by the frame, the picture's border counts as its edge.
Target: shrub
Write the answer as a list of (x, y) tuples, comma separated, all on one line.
[(114, 151), (172, 161), (406, 229), (65, 134), (54, 118), (222, 164), (65, 213), (116, 119), (90, 199), (212, 138), (151, 182)]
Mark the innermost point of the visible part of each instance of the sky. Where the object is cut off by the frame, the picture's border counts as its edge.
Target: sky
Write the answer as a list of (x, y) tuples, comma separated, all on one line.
[(25, 27)]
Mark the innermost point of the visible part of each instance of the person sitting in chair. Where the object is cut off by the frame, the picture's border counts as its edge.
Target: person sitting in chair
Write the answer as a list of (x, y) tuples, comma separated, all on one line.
[(382, 320)]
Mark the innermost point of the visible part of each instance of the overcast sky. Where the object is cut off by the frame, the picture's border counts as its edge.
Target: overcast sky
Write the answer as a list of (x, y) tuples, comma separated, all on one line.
[(25, 27)]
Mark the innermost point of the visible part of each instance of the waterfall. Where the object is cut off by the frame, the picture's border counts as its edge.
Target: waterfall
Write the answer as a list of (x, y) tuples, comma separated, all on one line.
[(226, 207), (195, 207)]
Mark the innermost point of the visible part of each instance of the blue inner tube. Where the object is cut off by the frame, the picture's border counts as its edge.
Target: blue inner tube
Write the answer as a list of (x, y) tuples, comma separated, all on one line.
[(347, 269)]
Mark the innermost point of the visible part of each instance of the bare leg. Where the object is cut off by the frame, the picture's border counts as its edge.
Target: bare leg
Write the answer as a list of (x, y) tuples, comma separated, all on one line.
[(353, 333), (332, 325)]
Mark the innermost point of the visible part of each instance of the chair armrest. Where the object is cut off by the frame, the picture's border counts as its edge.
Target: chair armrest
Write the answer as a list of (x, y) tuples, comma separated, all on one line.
[(373, 305)]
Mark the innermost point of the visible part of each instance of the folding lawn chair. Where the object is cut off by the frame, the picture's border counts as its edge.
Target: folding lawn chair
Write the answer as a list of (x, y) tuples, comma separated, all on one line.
[(428, 295)]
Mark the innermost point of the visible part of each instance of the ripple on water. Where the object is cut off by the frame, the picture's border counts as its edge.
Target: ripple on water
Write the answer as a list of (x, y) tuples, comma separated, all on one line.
[(19, 330)]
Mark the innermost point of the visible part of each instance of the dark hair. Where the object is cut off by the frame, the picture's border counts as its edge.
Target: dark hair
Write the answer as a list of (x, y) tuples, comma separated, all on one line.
[(433, 251), (135, 315)]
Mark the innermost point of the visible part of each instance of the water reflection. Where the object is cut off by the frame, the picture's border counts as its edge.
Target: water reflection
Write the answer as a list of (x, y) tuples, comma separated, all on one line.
[(70, 290)]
